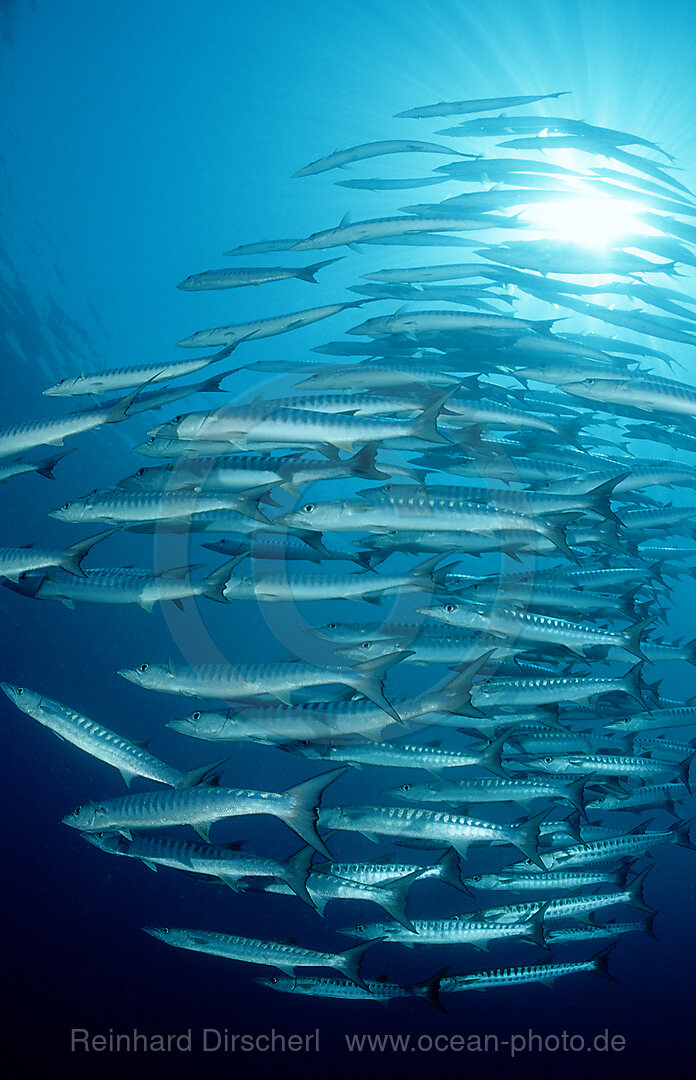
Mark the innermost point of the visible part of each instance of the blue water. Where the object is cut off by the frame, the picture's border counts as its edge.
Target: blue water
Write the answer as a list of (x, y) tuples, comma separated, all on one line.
[(140, 142)]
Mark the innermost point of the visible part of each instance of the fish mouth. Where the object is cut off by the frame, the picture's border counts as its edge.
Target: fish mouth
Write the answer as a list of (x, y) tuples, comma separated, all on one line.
[(184, 726), (9, 689), (155, 932), (127, 673), (69, 820)]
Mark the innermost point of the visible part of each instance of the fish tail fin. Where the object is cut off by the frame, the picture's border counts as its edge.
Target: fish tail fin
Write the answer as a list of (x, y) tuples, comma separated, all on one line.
[(633, 684), (575, 794), (297, 870), (556, 533), (363, 463), (535, 927), (306, 273), (215, 583), (450, 870), (201, 775), (370, 680), (544, 326), (684, 769), (395, 895), (303, 815), (457, 692), (120, 409), (491, 757), (349, 961), (527, 838), (635, 890), (598, 498), (681, 833), (429, 989), (601, 962), (649, 924), (212, 385), (427, 421), (73, 557), (46, 466)]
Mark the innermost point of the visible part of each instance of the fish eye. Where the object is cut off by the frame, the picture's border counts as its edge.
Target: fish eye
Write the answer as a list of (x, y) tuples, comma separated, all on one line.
[(66, 505), (308, 508), (165, 929), (178, 418), (195, 716), (366, 645), (140, 472), (332, 626), (304, 742), (20, 690), (476, 877), (450, 607), (360, 928), (405, 787), (548, 760), (144, 667), (590, 382), (273, 979), (78, 809)]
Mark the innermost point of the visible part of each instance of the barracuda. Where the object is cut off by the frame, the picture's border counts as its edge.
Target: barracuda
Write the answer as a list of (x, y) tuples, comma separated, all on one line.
[(662, 796), (379, 229), (34, 433), (523, 693), (14, 562), (326, 720), (258, 275), (569, 907), (391, 895), (124, 508), (423, 646), (470, 792), (273, 953), (655, 720), (201, 806), (360, 586), (244, 682), (340, 158), (638, 768), (418, 322), (429, 756), (451, 830), (221, 861), (609, 849), (522, 502), (43, 466), (494, 978), (555, 880), (105, 382), (454, 931), (251, 425), (541, 594), (572, 934), (524, 626), (377, 873), (379, 991), (262, 328), (127, 586), (99, 742), (420, 512)]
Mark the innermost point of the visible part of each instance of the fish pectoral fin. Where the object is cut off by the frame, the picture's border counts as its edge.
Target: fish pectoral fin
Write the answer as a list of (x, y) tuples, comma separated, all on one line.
[(127, 776), (203, 830)]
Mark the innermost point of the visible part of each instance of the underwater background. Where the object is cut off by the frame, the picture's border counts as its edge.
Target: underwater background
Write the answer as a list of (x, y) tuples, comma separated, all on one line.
[(140, 141)]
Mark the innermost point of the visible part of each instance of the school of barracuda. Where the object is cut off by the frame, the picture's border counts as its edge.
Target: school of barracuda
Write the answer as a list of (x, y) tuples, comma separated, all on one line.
[(487, 426)]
